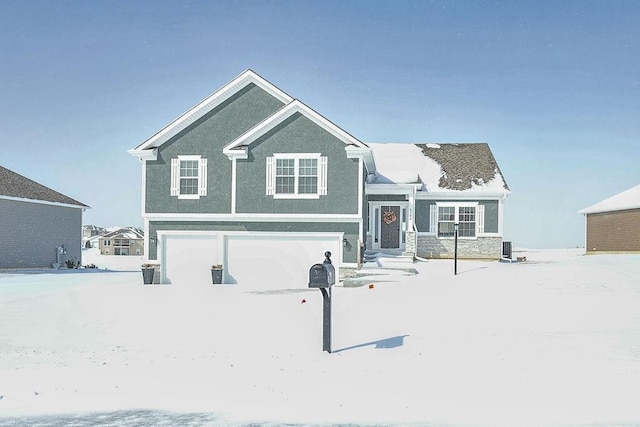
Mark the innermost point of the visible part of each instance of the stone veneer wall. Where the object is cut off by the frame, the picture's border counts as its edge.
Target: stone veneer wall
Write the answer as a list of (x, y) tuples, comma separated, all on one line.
[(429, 246), (410, 242)]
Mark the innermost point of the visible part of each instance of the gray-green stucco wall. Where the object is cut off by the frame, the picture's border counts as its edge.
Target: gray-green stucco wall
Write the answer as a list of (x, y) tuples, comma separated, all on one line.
[(298, 134), (31, 232), (491, 212), (207, 137), (350, 230)]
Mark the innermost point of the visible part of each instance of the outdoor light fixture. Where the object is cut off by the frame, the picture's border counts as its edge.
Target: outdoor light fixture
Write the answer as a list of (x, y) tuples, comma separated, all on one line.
[(456, 226)]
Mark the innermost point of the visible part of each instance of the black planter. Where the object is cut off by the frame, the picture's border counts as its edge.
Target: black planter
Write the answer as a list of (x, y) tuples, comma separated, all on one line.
[(147, 275), (216, 276)]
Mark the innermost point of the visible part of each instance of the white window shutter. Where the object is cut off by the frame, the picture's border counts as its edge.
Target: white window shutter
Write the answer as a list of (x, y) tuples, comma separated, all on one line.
[(175, 176), (433, 219), (202, 188), (322, 176), (270, 178), (480, 219)]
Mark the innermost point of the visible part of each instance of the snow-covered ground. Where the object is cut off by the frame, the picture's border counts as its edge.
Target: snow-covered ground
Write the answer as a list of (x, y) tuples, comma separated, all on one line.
[(553, 341)]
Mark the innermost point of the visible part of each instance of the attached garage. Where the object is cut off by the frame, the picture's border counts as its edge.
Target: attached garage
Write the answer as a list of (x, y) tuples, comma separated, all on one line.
[(254, 260), (186, 258)]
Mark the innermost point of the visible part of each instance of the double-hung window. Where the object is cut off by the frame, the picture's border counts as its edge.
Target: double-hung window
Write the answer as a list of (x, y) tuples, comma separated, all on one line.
[(296, 176), (468, 216), (189, 177)]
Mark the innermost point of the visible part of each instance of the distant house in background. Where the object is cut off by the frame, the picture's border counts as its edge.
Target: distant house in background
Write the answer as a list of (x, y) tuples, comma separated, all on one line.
[(122, 241), (613, 225), (35, 221), (91, 230)]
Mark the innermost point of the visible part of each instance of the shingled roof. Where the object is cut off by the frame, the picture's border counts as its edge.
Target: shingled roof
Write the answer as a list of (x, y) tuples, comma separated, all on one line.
[(464, 165), (440, 167), (17, 186)]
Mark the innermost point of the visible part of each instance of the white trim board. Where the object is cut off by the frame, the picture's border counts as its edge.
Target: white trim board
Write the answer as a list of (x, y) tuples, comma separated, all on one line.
[(255, 217), (206, 105)]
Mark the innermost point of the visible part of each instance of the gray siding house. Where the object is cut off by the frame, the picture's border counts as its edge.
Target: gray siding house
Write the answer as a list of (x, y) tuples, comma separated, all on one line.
[(35, 221), (258, 182)]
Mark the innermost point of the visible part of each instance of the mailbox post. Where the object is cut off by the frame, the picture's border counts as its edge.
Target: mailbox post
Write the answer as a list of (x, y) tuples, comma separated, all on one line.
[(322, 276)]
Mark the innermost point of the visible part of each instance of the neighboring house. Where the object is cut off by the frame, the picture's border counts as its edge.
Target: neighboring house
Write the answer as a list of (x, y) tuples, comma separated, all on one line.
[(260, 183), (613, 225), (122, 241), (36, 223), (91, 242), (92, 230)]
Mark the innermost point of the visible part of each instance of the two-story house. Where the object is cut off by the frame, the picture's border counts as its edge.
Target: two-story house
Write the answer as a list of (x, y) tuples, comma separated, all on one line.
[(262, 184)]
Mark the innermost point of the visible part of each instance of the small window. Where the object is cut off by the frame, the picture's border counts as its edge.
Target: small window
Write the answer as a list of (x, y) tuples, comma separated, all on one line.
[(189, 177)]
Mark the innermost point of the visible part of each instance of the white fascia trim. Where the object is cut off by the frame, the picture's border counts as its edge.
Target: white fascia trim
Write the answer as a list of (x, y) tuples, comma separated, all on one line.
[(280, 116), (406, 189), (459, 195), (595, 210), (209, 103), (254, 217), (44, 202), (144, 154), (365, 154)]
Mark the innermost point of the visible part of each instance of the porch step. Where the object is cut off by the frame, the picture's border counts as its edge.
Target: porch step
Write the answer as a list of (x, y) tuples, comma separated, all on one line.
[(382, 266)]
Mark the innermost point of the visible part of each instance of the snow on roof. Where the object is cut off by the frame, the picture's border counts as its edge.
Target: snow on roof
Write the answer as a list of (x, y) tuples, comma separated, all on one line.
[(628, 199), (440, 167)]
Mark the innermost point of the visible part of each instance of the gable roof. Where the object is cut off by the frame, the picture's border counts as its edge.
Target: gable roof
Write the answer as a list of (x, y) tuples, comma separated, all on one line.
[(14, 186), (440, 168), (205, 106), (238, 147), (125, 232), (628, 199)]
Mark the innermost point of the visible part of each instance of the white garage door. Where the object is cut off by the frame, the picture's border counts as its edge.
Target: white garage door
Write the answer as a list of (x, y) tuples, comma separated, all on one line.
[(187, 259), (276, 261)]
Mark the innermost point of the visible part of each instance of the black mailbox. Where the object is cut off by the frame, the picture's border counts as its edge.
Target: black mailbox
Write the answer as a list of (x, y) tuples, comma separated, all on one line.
[(322, 275)]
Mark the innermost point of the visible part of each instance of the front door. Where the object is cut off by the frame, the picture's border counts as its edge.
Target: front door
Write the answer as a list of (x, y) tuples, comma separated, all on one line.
[(390, 227)]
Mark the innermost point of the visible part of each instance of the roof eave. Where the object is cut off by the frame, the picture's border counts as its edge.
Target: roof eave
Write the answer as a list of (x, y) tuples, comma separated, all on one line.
[(46, 202), (144, 154), (466, 194), (284, 113)]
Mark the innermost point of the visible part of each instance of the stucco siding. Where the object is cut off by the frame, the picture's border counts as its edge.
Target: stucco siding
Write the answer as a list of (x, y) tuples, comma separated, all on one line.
[(613, 231), (31, 232), (350, 230), (207, 137), (298, 134)]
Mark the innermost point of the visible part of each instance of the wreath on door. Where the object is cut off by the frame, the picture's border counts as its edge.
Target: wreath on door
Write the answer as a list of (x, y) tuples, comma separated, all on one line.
[(389, 217)]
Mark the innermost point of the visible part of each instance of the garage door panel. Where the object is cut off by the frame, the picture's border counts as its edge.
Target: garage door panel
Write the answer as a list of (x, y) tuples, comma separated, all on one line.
[(275, 262), (188, 259)]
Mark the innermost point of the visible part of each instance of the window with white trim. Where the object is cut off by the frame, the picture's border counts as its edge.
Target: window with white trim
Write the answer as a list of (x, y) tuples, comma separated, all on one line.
[(469, 217), (296, 175), (189, 177)]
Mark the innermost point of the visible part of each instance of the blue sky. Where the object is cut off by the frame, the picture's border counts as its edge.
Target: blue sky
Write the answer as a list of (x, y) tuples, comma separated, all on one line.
[(553, 87)]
